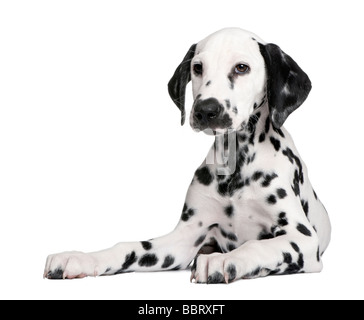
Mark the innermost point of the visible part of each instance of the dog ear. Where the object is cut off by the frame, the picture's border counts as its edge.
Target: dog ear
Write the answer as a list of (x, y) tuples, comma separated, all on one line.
[(287, 85), (177, 84)]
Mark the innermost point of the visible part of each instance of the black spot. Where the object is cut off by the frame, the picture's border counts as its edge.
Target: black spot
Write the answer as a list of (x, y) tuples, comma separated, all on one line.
[(256, 271), (281, 193), (148, 260), (295, 246), (231, 184), (216, 277), (215, 225), (200, 240), (293, 158), (296, 184), (244, 150), (282, 221), (200, 224), (146, 245), (267, 125), (229, 211), (303, 229), (223, 232), (272, 199), (262, 137), (208, 83), (279, 131), (242, 137), (287, 258), (314, 193), (241, 159), (129, 260), (231, 270), (280, 233), (300, 261), (252, 274), (275, 271), (55, 274), (255, 106), (276, 143), (257, 175), (250, 159), (168, 261), (235, 110), (292, 268), (318, 254), (232, 80), (289, 154), (305, 206), (231, 246), (231, 236), (107, 269), (187, 213), (222, 188), (228, 104), (268, 179), (264, 235), (204, 176), (253, 120), (225, 121)]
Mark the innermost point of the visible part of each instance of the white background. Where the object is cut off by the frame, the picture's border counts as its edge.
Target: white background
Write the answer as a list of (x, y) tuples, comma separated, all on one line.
[(92, 151)]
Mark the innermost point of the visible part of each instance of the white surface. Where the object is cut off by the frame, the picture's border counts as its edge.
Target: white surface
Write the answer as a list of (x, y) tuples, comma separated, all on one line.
[(92, 153)]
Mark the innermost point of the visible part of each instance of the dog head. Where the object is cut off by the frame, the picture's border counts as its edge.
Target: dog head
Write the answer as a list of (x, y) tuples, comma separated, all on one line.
[(233, 73)]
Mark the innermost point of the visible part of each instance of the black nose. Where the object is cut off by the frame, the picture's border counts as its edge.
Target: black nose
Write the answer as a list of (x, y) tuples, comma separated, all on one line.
[(206, 112)]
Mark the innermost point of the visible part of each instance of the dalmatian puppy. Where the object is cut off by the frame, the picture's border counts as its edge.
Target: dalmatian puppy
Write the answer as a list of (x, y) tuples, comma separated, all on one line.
[(250, 210)]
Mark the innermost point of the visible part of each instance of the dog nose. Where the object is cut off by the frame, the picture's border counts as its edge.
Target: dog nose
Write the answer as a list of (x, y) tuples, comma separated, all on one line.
[(206, 111)]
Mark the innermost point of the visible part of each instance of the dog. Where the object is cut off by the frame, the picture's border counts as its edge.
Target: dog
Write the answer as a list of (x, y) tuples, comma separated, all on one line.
[(250, 210)]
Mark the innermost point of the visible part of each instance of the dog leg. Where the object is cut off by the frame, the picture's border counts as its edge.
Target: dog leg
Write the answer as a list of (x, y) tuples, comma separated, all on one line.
[(292, 247), (175, 250)]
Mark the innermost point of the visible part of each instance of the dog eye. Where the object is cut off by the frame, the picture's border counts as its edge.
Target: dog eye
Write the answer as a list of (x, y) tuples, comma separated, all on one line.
[(241, 68), (197, 68)]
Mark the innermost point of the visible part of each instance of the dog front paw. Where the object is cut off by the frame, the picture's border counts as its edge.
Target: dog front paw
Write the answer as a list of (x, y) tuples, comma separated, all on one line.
[(225, 268), (70, 265), (209, 268)]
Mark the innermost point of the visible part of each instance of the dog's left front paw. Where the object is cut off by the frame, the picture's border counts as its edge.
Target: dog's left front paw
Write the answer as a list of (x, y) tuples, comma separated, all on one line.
[(213, 268), (224, 268)]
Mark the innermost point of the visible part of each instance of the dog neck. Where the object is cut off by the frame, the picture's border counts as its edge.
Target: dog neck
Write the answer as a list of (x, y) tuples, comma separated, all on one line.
[(237, 147)]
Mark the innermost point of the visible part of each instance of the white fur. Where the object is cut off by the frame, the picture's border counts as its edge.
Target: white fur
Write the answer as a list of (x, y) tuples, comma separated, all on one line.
[(299, 238)]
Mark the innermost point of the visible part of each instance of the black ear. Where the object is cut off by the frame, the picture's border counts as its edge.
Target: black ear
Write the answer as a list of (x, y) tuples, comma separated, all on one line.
[(177, 84), (287, 85)]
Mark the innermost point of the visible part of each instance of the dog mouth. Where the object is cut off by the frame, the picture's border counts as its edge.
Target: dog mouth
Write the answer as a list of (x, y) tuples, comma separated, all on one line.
[(211, 131), (209, 116)]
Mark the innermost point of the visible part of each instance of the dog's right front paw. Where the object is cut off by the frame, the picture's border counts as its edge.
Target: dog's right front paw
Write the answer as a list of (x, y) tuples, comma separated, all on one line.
[(70, 265)]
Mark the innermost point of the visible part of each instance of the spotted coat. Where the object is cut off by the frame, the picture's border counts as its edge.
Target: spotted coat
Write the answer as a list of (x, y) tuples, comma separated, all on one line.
[(250, 210)]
